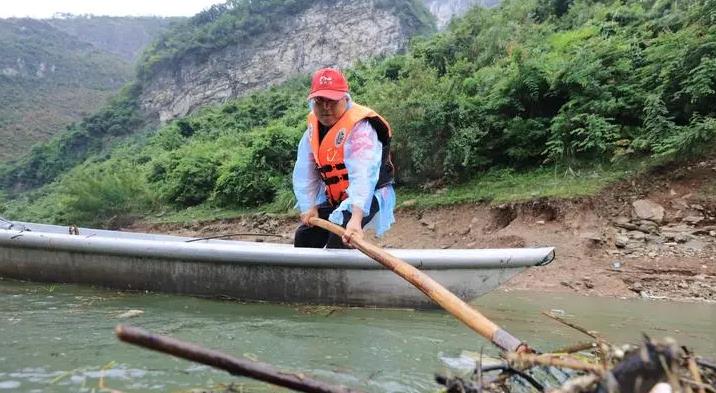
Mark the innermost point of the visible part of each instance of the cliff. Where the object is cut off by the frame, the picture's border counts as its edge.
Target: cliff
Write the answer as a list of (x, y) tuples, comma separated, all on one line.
[(445, 10), (328, 33)]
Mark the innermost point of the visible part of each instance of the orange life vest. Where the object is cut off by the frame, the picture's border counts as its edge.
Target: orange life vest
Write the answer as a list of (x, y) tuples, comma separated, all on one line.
[(329, 153)]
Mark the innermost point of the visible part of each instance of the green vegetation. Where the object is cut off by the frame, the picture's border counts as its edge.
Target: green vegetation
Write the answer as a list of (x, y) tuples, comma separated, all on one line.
[(507, 185), (498, 108), (49, 79), (46, 161)]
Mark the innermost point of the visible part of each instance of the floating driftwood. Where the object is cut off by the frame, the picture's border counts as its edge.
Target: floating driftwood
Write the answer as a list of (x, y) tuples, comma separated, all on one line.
[(653, 367), (234, 365)]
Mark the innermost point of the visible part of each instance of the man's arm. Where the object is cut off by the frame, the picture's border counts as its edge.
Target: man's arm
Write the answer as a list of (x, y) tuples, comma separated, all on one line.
[(306, 181)]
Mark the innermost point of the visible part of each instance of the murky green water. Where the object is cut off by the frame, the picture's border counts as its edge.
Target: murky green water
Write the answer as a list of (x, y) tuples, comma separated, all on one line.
[(59, 338)]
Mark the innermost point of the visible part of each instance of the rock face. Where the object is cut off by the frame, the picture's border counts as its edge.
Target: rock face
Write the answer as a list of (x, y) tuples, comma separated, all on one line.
[(648, 210), (304, 43), (445, 10)]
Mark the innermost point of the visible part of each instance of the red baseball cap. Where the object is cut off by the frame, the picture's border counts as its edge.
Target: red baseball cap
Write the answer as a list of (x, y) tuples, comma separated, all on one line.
[(328, 83)]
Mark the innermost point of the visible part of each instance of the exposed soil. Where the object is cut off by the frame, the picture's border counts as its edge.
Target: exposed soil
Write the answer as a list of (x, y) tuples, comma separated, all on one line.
[(604, 248)]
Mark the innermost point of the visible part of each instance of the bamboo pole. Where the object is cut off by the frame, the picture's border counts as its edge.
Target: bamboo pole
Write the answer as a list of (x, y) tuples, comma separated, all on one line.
[(237, 366), (439, 294)]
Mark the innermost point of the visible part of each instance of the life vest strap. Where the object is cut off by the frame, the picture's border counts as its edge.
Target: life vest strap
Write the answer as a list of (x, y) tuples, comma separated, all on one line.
[(329, 167), (335, 179)]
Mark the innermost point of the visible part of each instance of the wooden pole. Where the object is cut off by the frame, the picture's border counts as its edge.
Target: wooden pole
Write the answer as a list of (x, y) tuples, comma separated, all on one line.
[(446, 299), (237, 366)]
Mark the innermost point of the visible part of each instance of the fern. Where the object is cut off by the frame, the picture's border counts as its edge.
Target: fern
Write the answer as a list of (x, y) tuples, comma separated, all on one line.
[(701, 81), (694, 139)]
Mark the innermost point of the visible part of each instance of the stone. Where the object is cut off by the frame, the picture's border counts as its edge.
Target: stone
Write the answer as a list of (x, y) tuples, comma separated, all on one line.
[(409, 202), (621, 220), (627, 225), (621, 241), (648, 226), (647, 229), (593, 237), (636, 235), (654, 239), (693, 219), (646, 209), (696, 245), (679, 204), (428, 224), (681, 237)]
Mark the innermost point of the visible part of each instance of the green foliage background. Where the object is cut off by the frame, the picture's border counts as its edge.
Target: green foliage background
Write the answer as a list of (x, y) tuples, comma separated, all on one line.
[(524, 87)]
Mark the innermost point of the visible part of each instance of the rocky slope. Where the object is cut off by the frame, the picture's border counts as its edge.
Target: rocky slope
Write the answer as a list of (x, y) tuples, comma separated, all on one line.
[(303, 43), (445, 10)]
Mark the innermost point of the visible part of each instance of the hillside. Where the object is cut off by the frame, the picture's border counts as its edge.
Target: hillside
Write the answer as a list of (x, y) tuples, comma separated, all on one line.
[(513, 96), (48, 80), (124, 36)]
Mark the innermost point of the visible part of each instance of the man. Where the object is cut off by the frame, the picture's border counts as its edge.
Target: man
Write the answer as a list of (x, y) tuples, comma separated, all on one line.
[(343, 170)]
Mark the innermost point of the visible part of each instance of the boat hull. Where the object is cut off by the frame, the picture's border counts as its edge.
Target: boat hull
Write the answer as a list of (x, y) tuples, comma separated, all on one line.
[(251, 271)]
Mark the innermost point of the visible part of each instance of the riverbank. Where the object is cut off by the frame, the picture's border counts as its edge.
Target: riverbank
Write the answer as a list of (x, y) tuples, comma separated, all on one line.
[(653, 236)]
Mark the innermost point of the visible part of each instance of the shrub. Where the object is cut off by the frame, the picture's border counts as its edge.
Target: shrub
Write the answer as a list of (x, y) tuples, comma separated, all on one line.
[(189, 179), (94, 195), (255, 174)]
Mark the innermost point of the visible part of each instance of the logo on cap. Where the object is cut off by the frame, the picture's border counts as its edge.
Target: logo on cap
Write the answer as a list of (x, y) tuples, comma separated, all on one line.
[(325, 80)]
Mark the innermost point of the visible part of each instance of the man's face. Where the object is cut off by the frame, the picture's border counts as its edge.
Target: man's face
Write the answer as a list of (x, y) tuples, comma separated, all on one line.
[(329, 111)]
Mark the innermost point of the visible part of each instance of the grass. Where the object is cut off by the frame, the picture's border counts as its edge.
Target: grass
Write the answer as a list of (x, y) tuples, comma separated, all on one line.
[(506, 186), (197, 213)]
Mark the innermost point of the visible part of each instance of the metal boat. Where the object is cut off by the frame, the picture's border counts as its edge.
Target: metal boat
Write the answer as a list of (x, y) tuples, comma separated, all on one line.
[(249, 271)]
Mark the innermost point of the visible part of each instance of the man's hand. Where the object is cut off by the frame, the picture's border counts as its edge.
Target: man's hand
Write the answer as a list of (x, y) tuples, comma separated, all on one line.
[(354, 229), (306, 217)]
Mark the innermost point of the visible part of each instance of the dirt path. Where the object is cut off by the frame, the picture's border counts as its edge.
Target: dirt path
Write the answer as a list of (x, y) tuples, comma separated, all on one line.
[(652, 237)]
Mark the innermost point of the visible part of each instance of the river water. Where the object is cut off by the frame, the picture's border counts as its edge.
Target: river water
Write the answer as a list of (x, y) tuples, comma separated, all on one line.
[(60, 338)]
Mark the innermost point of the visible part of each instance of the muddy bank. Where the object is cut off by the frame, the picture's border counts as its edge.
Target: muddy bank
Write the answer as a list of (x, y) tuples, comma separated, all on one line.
[(650, 237)]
